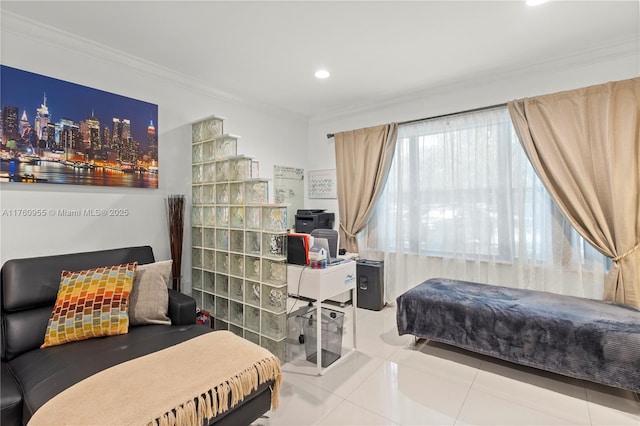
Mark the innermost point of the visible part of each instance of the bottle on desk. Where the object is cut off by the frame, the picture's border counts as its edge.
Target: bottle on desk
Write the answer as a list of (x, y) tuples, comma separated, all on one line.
[(318, 258)]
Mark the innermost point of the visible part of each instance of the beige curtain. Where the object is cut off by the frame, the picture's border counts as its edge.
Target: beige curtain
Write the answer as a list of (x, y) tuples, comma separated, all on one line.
[(363, 159), (585, 146)]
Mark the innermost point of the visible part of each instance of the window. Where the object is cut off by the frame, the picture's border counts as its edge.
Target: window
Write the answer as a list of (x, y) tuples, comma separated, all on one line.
[(461, 187)]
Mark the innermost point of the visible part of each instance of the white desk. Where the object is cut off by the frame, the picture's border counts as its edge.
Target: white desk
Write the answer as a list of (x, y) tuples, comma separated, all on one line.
[(320, 285)]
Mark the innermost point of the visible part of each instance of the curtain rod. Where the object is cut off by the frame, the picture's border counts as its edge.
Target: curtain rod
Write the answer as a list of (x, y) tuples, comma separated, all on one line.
[(330, 135)]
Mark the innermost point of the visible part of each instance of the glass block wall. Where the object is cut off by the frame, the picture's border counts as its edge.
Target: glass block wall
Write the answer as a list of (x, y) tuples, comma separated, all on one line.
[(239, 253)]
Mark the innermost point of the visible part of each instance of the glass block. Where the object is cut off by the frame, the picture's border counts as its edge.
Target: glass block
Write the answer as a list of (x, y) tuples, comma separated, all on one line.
[(252, 242), (222, 193), (196, 278), (209, 237), (239, 168), (252, 318), (220, 324), (208, 172), (197, 294), (222, 262), (209, 260), (222, 171), (208, 151), (236, 329), (208, 194), (276, 347), (274, 218), (208, 216), (236, 313), (236, 264), (256, 192), (209, 281), (222, 239), (274, 271), (196, 173), (252, 292), (274, 299), (236, 289), (222, 308), (196, 132), (252, 337), (226, 146), (211, 128), (252, 268), (196, 237), (274, 245), (208, 302), (237, 217), (237, 193), (222, 216), (222, 285), (196, 216), (196, 194), (196, 257), (236, 240), (196, 153), (252, 217), (274, 325)]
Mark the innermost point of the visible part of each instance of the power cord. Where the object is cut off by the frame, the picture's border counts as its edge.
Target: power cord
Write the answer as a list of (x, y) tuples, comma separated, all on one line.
[(301, 336), (297, 294)]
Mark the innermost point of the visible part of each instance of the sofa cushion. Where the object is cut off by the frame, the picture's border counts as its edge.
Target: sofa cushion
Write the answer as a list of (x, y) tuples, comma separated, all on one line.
[(26, 308), (26, 328), (91, 303), (43, 274), (149, 299), (43, 373)]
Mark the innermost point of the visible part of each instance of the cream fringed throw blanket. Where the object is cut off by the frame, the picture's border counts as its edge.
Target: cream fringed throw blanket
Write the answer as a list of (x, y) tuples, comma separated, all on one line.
[(182, 385)]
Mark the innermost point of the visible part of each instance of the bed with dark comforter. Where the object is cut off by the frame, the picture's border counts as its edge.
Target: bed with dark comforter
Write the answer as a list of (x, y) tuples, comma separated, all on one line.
[(582, 338)]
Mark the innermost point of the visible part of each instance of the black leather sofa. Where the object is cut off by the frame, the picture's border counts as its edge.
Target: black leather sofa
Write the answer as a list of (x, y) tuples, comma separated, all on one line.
[(31, 376)]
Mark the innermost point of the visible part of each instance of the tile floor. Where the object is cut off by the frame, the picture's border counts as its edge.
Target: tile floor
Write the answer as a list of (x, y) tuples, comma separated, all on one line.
[(389, 380)]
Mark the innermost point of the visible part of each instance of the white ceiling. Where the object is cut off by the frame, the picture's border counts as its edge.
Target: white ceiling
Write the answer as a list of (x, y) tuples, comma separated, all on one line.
[(376, 51)]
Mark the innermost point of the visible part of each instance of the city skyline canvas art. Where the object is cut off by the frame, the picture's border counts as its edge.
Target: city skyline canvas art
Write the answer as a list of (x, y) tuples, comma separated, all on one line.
[(54, 131)]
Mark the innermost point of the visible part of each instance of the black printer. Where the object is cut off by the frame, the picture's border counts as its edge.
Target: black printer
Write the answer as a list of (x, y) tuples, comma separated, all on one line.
[(308, 220)]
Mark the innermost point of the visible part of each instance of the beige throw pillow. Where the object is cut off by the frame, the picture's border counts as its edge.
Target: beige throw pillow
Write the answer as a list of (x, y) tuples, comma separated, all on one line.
[(149, 299)]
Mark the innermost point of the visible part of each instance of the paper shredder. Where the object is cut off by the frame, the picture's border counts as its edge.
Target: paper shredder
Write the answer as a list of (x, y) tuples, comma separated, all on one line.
[(370, 284)]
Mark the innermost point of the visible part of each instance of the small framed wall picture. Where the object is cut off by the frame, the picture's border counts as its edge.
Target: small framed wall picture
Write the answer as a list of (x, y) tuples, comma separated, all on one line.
[(322, 184)]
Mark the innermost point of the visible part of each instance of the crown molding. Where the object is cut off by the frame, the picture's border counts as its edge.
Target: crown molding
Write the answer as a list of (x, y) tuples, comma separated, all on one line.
[(629, 47), (57, 38)]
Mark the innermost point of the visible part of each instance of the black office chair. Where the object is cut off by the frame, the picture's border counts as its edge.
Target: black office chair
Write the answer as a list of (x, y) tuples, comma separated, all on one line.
[(332, 236)]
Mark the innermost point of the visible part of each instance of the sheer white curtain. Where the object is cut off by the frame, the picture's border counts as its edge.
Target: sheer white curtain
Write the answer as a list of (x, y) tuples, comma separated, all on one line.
[(462, 201)]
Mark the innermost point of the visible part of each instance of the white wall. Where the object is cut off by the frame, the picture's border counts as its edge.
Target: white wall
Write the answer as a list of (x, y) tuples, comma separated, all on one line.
[(581, 70), (272, 137)]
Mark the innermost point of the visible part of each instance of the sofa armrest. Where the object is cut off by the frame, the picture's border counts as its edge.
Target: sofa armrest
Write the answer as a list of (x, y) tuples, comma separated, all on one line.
[(11, 400), (182, 308)]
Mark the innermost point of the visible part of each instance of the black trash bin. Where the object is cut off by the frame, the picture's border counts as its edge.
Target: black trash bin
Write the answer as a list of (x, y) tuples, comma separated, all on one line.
[(370, 284)]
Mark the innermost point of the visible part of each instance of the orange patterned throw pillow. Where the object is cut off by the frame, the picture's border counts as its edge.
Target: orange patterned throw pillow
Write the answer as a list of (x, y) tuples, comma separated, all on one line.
[(91, 303)]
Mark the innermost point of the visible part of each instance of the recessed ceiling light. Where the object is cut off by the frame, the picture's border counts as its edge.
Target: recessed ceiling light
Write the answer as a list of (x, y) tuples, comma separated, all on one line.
[(322, 74), (536, 2)]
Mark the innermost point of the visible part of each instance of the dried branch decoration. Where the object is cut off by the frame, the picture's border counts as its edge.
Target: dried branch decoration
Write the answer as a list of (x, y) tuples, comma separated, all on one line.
[(175, 204)]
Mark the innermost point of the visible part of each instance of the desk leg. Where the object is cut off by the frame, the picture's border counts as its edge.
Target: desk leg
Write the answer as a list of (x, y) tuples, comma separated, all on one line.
[(319, 337), (354, 305)]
